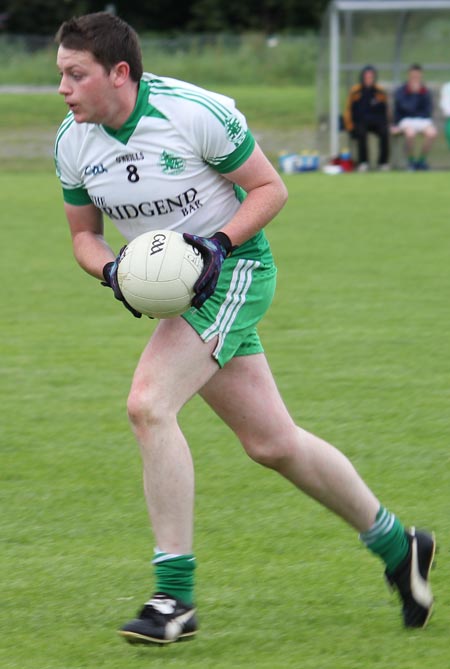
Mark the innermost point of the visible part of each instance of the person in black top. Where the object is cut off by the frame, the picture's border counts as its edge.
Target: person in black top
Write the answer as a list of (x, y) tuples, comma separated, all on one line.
[(367, 111)]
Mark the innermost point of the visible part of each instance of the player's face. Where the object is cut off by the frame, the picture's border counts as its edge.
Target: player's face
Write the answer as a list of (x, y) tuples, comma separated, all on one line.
[(87, 88), (415, 79), (369, 78)]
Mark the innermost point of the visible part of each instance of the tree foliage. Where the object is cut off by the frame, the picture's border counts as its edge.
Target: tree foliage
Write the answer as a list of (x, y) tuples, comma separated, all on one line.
[(269, 16)]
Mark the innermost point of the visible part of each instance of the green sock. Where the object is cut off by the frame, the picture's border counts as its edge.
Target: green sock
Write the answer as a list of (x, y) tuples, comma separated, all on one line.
[(387, 539), (447, 131), (175, 575)]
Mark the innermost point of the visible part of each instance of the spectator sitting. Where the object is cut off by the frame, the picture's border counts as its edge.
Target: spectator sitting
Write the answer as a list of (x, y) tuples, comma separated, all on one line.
[(366, 111), (413, 112), (444, 104)]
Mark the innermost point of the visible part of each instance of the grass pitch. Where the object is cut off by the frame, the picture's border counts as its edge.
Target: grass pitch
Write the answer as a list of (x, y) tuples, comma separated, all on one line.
[(358, 341)]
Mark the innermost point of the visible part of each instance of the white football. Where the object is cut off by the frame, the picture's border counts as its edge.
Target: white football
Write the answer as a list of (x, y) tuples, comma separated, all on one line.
[(157, 273)]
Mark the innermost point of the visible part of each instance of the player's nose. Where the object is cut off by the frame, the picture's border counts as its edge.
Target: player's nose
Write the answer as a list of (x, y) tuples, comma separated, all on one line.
[(63, 88)]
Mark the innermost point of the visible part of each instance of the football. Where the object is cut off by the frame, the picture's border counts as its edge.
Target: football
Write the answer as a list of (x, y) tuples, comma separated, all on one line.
[(157, 273)]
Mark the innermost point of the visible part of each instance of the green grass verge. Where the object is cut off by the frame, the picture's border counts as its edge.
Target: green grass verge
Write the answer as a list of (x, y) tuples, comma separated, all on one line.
[(28, 122), (203, 59), (19, 111), (288, 107), (358, 341)]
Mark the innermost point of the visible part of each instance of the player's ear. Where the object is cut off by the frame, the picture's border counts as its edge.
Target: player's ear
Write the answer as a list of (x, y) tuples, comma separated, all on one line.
[(120, 73)]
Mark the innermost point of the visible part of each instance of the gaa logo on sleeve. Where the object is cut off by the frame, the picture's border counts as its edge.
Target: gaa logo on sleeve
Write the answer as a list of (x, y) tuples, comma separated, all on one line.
[(235, 131)]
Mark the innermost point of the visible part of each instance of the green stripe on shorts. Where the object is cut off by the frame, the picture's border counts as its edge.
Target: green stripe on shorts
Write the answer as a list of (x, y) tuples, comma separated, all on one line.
[(243, 294)]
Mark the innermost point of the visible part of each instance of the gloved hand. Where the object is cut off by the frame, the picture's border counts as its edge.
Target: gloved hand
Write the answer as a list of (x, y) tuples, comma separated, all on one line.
[(110, 276), (213, 250)]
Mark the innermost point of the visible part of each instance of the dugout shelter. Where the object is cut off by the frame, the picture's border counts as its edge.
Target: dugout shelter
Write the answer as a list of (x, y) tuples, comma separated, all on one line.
[(390, 34)]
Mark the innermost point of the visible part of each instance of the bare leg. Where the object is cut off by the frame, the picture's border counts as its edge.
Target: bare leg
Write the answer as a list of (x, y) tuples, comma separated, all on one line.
[(429, 136), (166, 377), (410, 137), (245, 396)]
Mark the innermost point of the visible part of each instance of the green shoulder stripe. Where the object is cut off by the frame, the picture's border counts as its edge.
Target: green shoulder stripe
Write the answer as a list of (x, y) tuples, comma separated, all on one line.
[(219, 110), (65, 125), (237, 158)]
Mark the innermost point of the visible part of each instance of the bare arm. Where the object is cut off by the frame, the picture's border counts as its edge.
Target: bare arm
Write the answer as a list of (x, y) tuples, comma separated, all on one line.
[(89, 246), (266, 195)]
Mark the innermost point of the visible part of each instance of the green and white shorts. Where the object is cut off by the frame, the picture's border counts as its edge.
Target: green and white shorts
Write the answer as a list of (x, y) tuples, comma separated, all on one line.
[(243, 294)]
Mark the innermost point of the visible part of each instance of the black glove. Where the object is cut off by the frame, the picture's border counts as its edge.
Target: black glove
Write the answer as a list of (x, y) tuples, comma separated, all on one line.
[(110, 276), (213, 250)]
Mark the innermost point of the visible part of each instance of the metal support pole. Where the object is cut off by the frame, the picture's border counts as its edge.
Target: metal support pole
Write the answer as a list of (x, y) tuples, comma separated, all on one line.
[(348, 42), (399, 35), (334, 81)]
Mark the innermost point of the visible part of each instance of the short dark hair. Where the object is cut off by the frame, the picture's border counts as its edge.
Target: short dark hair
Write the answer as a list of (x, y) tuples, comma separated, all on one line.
[(415, 66), (107, 37)]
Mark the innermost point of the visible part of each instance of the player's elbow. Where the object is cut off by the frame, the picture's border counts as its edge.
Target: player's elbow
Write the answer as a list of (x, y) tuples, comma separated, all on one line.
[(282, 192)]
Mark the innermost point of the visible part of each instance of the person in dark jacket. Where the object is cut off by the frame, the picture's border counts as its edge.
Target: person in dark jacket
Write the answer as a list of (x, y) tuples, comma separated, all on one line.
[(413, 115), (367, 111)]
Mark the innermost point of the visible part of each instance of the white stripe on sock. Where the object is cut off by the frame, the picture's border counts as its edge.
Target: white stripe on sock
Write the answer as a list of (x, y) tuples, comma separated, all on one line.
[(379, 529)]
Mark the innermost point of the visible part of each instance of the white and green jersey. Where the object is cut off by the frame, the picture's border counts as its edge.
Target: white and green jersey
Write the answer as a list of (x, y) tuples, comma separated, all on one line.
[(163, 168)]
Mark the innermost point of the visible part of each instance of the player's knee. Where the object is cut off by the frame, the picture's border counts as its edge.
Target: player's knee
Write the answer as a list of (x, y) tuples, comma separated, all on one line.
[(145, 407), (271, 453)]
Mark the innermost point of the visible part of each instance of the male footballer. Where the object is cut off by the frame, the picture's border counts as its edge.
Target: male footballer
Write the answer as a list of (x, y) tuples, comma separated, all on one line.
[(152, 152)]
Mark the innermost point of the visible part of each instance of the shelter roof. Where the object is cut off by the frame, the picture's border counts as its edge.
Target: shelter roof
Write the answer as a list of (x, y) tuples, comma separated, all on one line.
[(388, 5)]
